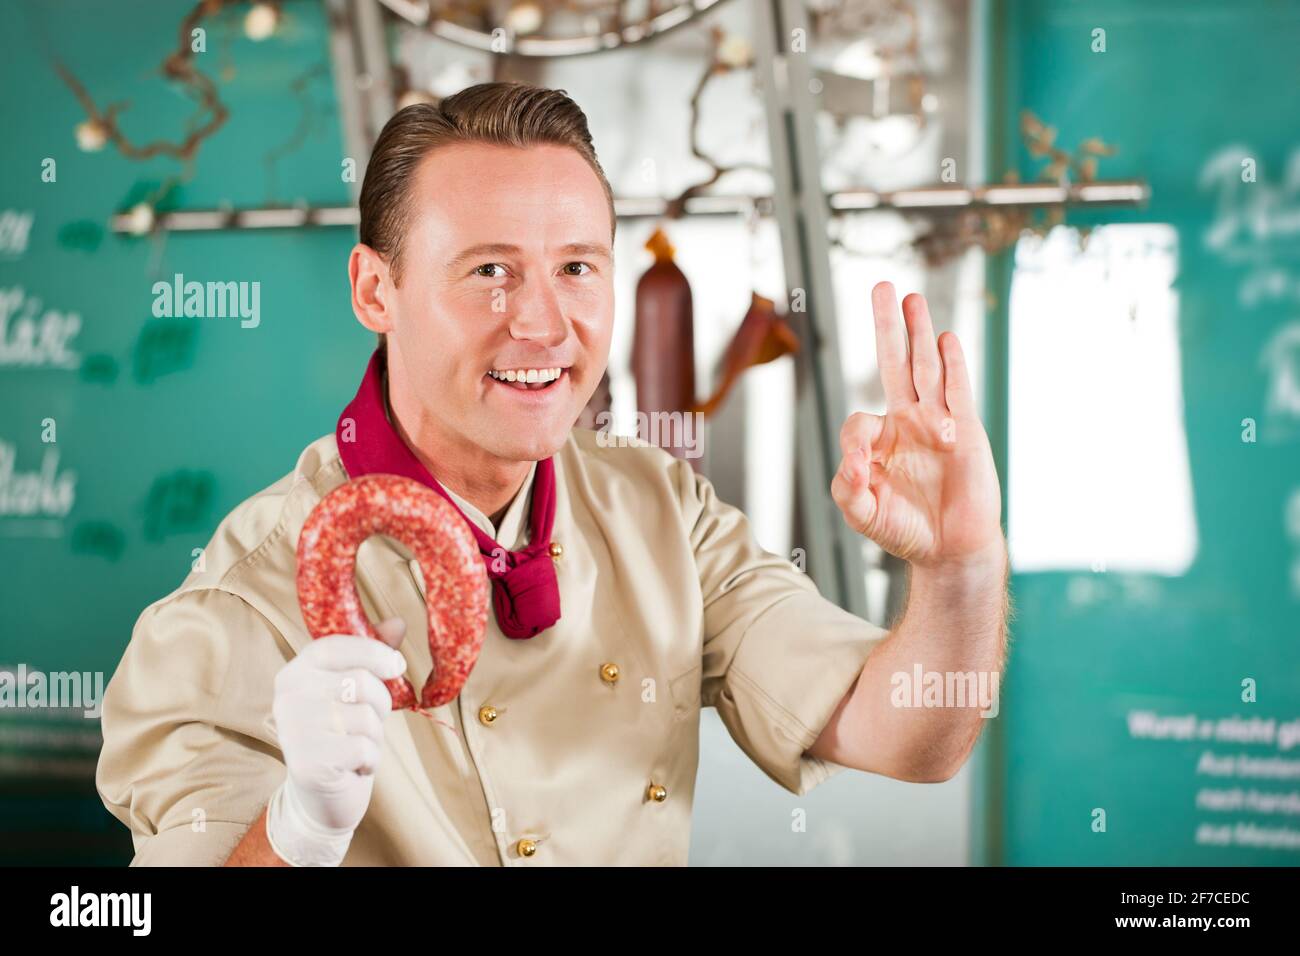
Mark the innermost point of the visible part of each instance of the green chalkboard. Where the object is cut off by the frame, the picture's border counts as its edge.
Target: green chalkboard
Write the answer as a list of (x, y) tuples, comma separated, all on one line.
[(126, 435), (1129, 734)]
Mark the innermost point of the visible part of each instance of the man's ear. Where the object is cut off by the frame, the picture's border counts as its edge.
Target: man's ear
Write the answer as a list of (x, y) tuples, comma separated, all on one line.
[(371, 288)]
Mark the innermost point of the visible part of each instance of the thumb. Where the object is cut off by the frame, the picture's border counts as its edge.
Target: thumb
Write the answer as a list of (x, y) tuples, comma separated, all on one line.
[(392, 631)]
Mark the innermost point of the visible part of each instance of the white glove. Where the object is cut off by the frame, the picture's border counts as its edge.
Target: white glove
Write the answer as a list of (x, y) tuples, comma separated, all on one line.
[(329, 707)]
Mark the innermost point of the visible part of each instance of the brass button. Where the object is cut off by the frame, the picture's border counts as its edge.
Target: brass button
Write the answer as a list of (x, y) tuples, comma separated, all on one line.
[(657, 793), (526, 847), (609, 673), (487, 714), (557, 550)]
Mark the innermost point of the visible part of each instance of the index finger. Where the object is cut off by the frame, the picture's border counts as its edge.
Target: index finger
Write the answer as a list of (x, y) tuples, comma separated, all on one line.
[(891, 347)]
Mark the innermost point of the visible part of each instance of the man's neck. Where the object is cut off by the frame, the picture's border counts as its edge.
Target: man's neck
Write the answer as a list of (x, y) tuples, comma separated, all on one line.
[(487, 482)]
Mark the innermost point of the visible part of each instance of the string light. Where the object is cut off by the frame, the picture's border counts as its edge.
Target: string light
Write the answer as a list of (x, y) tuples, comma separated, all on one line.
[(140, 219), (524, 18), (91, 135), (735, 52), (260, 21)]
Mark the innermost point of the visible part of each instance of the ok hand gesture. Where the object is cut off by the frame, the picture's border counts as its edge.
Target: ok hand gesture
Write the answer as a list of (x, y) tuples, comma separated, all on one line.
[(919, 480)]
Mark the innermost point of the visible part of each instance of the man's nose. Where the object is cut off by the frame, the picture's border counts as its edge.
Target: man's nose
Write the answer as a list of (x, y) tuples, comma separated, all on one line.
[(538, 315)]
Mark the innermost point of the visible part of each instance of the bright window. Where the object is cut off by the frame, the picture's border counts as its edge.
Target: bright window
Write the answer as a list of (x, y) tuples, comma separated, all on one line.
[(1099, 477)]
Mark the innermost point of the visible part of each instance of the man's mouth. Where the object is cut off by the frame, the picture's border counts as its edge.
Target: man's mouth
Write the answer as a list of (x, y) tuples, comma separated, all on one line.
[(527, 379)]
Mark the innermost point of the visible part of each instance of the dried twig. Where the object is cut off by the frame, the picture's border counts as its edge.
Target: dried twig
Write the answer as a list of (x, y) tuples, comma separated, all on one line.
[(717, 66), (995, 230), (1063, 167), (178, 65), (300, 87)]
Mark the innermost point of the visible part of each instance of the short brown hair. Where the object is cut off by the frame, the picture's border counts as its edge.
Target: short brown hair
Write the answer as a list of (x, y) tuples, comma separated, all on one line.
[(502, 114)]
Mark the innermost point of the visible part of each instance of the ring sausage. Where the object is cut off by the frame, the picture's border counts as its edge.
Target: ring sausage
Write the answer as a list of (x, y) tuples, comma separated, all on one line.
[(456, 585)]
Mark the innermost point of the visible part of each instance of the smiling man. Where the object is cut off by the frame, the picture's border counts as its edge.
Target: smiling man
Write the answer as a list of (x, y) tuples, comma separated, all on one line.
[(626, 596)]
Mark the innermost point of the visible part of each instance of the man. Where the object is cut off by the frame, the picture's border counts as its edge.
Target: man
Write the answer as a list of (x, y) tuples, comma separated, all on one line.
[(625, 595)]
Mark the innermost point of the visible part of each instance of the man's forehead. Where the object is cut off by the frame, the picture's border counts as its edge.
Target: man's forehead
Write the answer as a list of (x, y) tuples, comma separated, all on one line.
[(470, 180)]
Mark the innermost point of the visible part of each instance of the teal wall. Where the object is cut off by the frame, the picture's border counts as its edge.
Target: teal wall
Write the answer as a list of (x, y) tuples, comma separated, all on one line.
[(165, 423), (1178, 82)]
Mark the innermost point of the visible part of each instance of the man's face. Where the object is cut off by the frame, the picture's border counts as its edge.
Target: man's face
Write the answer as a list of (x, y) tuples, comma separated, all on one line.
[(506, 272)]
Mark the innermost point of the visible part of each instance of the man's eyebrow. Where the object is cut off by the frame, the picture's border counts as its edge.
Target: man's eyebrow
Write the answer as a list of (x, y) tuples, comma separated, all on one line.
[(592, 249)]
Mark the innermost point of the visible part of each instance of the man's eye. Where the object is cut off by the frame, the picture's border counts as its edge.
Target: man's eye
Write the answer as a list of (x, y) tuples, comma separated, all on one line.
[(489, 265), (581, 265)]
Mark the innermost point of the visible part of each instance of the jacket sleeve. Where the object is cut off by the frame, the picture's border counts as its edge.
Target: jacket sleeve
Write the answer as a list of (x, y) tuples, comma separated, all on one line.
[(778, 657), (190, 758)]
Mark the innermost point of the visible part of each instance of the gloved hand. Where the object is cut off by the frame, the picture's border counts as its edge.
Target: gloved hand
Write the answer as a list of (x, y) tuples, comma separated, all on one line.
[(329, 707)]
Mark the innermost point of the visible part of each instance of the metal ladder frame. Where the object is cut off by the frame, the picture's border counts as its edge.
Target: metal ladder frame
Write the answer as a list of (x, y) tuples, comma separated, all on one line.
[(835, 551)]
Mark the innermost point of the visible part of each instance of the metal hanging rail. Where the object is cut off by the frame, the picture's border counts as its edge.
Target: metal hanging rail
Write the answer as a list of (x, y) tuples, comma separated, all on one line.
[(916, 201), (1116, 192)]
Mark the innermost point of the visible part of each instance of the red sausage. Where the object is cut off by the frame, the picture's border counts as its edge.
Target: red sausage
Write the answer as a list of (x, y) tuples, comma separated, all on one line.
[(663, 339), (456, 584)]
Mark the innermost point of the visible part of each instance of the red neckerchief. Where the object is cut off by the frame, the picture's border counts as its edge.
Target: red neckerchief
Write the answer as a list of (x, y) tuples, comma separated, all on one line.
[(526, 594)]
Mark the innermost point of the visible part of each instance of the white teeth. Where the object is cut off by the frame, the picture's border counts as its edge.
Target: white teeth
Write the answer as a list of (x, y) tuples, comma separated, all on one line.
[(526, 375)]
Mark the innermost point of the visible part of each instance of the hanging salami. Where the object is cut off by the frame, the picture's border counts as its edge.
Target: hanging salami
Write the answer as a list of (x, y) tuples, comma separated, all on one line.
[(663, 344)]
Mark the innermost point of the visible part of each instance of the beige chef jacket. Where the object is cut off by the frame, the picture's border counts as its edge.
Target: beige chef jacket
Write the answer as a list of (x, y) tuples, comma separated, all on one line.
[(578, 746)]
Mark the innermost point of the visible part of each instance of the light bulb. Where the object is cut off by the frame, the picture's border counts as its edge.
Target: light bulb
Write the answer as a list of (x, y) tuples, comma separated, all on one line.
[(735, 51), (260, 21), (91, 135), (524, 18), (140, 219)]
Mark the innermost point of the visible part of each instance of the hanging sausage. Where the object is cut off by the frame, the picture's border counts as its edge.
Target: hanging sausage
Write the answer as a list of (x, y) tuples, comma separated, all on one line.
[(763, 336), (663, 343)]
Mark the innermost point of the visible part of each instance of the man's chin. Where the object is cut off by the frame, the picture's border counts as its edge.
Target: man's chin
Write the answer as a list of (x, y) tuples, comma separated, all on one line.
[(522, 444)]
